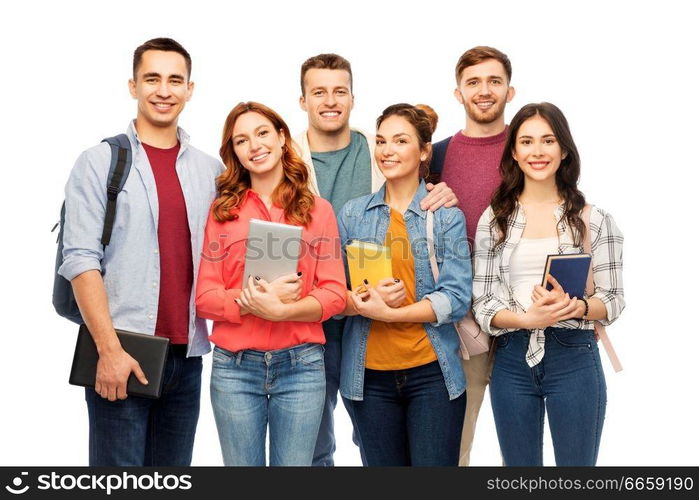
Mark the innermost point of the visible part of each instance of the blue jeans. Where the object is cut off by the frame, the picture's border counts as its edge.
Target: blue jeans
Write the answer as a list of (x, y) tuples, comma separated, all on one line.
[(325, 445), (568, 384), (283, 388), (406, 418), (149, 432)]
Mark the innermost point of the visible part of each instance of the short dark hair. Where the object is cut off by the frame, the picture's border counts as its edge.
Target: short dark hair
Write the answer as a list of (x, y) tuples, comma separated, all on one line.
[(325, 61), (164, 44), (477, 55)]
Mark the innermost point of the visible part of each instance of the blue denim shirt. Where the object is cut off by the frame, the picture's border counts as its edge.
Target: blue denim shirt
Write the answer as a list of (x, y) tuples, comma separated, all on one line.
[(367, 219), (130, 264)]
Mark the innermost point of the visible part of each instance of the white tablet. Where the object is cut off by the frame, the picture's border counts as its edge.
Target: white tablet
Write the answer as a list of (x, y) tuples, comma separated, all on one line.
[(272, 250)]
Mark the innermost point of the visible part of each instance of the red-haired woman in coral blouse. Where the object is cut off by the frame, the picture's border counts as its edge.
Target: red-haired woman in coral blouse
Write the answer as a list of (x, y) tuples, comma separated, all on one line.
[(268, 357)]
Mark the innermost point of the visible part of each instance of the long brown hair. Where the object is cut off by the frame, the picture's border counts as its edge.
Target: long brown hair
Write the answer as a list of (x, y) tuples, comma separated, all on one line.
[(292, 193), (506, 195)]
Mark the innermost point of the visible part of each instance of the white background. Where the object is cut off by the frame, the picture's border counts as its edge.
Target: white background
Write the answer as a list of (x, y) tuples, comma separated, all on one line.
[(624, 73)]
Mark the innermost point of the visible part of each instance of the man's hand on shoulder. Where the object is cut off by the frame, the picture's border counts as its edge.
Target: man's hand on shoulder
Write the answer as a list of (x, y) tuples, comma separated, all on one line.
[(439, 195)]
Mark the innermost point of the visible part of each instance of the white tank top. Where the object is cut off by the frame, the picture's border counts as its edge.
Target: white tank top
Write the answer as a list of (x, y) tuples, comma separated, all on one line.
[(527, 265)]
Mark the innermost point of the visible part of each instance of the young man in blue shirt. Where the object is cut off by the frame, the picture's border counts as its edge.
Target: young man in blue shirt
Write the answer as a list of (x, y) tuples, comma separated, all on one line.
[(143, 280)]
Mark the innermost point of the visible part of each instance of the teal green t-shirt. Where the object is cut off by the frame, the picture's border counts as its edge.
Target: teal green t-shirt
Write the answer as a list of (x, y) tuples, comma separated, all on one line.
[(344, 174)]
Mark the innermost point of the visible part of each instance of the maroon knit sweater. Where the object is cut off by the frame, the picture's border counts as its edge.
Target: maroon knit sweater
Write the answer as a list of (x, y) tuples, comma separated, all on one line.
[(471, 171)]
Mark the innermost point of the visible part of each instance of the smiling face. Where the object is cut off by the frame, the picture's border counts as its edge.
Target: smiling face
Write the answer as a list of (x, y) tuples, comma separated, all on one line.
[(327, 99), (537, 150), (398, 152), (257, 144), (161, 88), (484, 91)]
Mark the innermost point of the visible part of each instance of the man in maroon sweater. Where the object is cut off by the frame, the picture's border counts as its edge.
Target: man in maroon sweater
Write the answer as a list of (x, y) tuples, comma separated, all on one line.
[(468, 162)]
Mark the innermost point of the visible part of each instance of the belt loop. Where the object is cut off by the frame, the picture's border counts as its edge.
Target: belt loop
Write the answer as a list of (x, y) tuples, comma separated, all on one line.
[(292, 355), (238, 358)]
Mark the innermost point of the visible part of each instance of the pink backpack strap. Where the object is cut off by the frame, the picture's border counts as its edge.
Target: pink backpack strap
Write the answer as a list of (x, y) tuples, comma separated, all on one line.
[(600, 330), (430, 245)]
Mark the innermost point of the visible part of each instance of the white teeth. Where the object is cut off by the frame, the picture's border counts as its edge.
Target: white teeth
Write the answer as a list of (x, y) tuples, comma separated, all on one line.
[(389, 162), (330, 113), (484, 105), (259, 157)]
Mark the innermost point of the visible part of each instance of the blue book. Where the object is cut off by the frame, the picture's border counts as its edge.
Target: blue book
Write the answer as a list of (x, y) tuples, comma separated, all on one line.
[(570, 271)]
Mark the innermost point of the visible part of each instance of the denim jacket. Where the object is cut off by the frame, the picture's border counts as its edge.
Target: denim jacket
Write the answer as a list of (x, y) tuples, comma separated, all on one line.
[(130, 264), (367, 219)]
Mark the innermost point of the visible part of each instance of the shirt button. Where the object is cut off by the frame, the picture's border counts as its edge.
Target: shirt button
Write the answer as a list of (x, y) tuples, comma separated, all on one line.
[(150, 316), (156, 251), (155, 285)]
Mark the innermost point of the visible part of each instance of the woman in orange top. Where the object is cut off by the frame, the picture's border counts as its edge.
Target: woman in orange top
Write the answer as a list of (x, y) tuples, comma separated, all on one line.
[(401, 373), (268, 356)]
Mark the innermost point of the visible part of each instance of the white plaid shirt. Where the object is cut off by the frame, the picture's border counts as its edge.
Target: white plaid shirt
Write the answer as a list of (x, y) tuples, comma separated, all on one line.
[(492, 291)]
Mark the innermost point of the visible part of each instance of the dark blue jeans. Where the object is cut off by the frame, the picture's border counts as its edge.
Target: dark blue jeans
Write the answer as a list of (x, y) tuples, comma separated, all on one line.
[(325, 444), (568, 384), (406, 418), (151, 432)]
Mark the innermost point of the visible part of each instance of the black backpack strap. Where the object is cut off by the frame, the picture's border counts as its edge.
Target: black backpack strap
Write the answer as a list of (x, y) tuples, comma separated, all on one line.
[(439, 153), (119, 169)]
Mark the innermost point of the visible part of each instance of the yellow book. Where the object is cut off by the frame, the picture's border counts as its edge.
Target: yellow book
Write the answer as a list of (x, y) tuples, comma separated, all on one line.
[(368, 261)]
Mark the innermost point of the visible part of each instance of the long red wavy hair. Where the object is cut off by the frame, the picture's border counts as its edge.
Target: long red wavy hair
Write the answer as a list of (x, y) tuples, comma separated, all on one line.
[(292, 193)]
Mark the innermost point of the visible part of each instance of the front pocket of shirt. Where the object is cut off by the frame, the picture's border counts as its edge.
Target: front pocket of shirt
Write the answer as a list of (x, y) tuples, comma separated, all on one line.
[(233, 257)]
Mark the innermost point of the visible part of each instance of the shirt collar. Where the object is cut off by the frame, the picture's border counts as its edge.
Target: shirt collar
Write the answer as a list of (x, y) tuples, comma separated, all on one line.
[(377, 199), (182, 136)]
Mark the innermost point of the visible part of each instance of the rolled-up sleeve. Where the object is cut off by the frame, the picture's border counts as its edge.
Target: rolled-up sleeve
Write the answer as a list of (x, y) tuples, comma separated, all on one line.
[(441, 306), (213, 300), (451, 298), (85, 202), (486, 279), (330, 288), (607, 264)]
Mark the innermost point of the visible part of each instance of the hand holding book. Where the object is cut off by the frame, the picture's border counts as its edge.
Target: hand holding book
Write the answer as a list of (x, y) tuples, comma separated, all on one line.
[(392, 291), (551, 306), (370, 304), (556, 291), (549, 310)]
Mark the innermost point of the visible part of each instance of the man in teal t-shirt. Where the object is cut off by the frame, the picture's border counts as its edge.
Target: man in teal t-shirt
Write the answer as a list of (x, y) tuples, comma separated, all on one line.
[(341, 166), (343, 174)]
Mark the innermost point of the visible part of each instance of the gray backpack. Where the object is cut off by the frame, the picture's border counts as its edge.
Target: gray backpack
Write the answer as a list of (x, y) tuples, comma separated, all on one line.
[(119, 167)]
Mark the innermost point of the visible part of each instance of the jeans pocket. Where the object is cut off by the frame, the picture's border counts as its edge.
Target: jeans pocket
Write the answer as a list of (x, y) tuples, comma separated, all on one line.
[(313, 357), (502, 341), (221, 356), (574, 339)]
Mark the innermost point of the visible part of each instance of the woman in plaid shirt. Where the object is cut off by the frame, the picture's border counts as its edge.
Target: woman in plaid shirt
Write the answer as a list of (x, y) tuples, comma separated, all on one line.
[(547, 358)]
